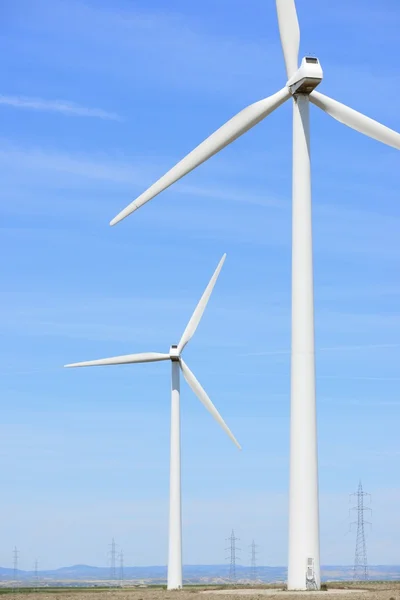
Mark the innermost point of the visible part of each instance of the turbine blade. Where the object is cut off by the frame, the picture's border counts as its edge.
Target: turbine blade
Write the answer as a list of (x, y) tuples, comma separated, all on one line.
[(205, 400), (122, 360), (350, 117), (200, 308), (225, 135), (290, 34)]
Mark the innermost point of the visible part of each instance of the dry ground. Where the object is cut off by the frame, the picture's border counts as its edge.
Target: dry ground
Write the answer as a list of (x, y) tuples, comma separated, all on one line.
[(370, 591)]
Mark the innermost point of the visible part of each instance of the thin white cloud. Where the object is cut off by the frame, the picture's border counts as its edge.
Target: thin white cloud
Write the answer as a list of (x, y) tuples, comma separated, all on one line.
[(167, 49), (135, 172), (326, 348), (361, 232), (61, 106), (361, 377)]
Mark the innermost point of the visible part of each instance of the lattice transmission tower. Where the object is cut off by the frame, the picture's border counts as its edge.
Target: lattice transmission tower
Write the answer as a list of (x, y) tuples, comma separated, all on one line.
[(36, 574), (121, 568), (113, 554), (15, 564), (360, 558), (253, 560), (232, 549)]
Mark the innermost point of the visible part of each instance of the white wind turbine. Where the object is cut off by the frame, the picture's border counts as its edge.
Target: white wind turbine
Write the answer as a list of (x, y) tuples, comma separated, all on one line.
[(303, 561), (177, 363)]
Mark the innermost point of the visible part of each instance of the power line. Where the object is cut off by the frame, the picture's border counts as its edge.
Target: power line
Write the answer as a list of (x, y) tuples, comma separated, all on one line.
[(232, 555), (253, 560), (360, 558)]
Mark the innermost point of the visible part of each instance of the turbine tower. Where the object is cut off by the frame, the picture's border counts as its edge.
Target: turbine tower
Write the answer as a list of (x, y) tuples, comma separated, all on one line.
[(177, 365), (304, 555)]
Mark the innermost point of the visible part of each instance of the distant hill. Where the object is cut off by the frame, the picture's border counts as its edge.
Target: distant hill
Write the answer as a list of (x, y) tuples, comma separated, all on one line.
[(192, 573)]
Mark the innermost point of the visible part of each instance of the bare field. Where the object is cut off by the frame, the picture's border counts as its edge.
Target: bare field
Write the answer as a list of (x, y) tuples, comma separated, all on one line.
[(370, 591)]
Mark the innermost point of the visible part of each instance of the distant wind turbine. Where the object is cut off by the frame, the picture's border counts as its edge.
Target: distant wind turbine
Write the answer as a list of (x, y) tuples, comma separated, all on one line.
[(177, 364), (304, 558)]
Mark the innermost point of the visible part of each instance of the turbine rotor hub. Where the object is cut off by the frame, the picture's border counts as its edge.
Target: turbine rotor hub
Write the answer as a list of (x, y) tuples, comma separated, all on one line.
[(307, 77)]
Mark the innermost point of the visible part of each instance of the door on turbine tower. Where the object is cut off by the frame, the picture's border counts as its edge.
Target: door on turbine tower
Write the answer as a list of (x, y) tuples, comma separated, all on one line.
[(310, 574)]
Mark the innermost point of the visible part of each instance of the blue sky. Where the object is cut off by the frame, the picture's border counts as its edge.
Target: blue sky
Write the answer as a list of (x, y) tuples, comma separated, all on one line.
[(100, 98)]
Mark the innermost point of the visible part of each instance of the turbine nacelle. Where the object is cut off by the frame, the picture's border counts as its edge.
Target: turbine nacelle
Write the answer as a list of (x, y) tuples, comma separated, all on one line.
[(307, 77), (174, 353)]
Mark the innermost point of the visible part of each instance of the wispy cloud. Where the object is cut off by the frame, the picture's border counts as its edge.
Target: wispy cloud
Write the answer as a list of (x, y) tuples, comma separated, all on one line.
[(357, 401), (135, 173), (361, 377), (168, 49), (326, 348), (60, 106)]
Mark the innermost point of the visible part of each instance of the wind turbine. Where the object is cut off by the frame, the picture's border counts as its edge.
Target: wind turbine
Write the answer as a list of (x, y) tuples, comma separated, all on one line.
[(303, 561), (177, 364)]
